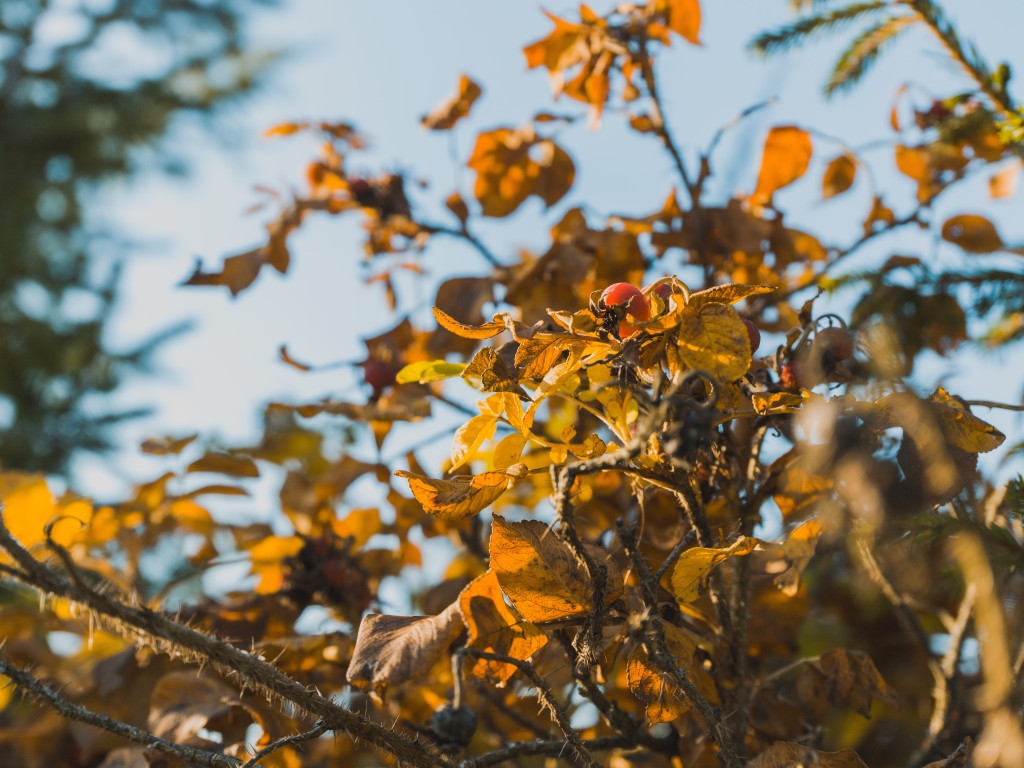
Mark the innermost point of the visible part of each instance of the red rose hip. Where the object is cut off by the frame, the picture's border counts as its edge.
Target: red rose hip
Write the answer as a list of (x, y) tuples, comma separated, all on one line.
[(631, 301)]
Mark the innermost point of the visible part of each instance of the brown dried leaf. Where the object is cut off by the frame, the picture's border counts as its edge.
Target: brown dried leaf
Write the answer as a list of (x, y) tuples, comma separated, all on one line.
[(446, 115), (854, 680), (975, 234), (391, 650), (839, 176), (664, 701), (225, 464), (785, 754)]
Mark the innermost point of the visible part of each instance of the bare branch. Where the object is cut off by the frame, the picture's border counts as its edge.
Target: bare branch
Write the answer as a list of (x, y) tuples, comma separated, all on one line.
[(286, 741)]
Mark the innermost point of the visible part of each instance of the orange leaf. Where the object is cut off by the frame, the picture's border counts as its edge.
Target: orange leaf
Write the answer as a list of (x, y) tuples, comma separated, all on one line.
[(446, 115), (540, 575), (839, 176), (787, 153), (495, 627), (684, 19), (449, 323), (461, 497), (664, 701), (975, 234)]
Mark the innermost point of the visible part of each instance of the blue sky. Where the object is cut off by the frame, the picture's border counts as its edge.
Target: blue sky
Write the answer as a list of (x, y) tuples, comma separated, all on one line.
[(383, 65)]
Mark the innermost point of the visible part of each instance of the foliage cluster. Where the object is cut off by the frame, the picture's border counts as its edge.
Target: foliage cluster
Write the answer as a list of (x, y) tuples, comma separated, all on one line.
[(666, 546)]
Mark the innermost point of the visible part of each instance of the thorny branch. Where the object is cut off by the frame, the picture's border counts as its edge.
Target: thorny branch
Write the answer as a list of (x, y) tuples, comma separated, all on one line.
[(41, 692), (547, 699), (145, 625)]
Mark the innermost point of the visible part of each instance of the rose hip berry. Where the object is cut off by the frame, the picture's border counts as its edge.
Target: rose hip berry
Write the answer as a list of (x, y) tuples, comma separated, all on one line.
[(621, 299), (836, 343)]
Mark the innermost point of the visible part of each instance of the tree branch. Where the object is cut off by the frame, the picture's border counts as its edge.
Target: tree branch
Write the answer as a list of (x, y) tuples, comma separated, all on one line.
[(42, 693)]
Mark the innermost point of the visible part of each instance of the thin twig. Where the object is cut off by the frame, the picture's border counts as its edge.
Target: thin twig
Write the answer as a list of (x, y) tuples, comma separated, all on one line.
[(286, 741), (684, 543), (469, 237), (550, 747), (547, 699), (41, 692)]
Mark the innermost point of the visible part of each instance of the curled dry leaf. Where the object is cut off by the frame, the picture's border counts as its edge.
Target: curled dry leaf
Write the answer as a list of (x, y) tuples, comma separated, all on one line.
[(460, 497), (839, 176), (393, 649), (539, 573), (786, 754), (496, 628), (447, 114), (663, 699)]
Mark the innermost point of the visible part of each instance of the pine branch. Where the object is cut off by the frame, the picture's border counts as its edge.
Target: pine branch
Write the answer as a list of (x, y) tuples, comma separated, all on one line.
[(784, 38), (857, 59)]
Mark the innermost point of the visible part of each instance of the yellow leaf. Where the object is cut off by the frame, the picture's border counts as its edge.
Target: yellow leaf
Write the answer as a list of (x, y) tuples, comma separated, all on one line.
[(730, 293), (469, 437), (961, 427), (690, 575), (426, 371), (797, 489), (268, 557), (767, 402), (839, 176), (787, 153), (975, 234), (508, 451), (664, 701), (496, 628), (538, 572), (460, 497), (359, 525), (449, 323), (713, 338), (446, 115)]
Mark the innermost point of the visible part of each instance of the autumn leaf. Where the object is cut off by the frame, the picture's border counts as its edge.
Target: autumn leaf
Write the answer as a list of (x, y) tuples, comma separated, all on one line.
[(236, 274), (496, 628), (730, 293), (798, 488), (460, 497), (268, 558), (1004, 183), (484, 331), (713, 338), (786, 156), (185, 703), (694, 567), (784, 754), (854, 681), (511, 165), (663, 699), (775, 402), (975, 234), (469, 437), (426, 371), (539, 573), (839, 176), (391, 650), (683, 17), (446, 115), (234, 465), (167, 446)]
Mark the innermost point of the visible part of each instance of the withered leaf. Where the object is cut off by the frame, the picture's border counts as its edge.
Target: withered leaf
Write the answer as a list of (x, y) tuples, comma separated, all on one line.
[(785, 754), (538, 572), (184, 703), (730, 293), (975, 234), (446, 115), (854, 681), (839, 176), (460, 497), (393, 649), (234, 465), (663, 699), (513, 164)]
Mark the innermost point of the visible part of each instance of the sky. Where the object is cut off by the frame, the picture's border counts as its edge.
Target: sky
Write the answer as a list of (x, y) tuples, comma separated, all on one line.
[(384, 64)]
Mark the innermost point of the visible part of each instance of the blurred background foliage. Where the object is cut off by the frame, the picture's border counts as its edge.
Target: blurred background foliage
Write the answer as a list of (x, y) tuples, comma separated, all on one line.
[(82, 85)]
